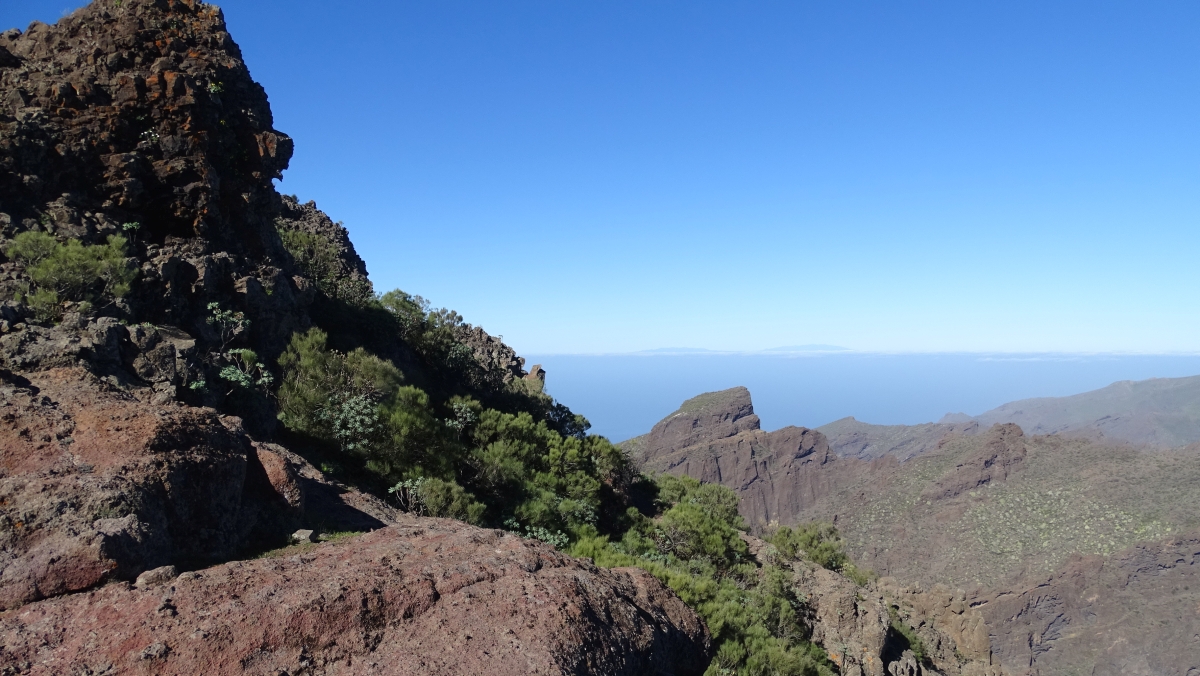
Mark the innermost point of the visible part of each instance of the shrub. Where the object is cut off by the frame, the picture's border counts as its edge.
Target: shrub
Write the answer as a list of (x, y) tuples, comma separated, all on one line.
[(818, 542), (448, 499), (468, 455), (244, 370), (71, 271), (910, 636), (317, 381), (754, 616), (229, 323), (318, 259), (31, 247), (434, 497), (45, 304)]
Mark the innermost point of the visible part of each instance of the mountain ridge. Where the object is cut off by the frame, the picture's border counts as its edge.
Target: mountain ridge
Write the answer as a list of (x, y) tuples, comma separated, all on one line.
[(1156, 413), (1077, 553)]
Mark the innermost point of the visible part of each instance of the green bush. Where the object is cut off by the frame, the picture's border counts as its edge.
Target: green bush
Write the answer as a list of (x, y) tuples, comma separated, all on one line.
[(318, 259), (31, 247), (752, 612), (45, 303), (244, 370), (512, 465), (702, 522), (72, 271), (448, 499), (316, 381), (818, 542), (915, 644)]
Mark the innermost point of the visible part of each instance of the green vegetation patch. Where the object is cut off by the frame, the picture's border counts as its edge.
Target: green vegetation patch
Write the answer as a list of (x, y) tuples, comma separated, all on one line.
[(703, 402), (318, 258), (72, 271), (694, 547), (454, 458)]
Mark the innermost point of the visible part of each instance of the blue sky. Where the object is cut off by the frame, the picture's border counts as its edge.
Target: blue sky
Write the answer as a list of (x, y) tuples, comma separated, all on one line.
[(617, 176)]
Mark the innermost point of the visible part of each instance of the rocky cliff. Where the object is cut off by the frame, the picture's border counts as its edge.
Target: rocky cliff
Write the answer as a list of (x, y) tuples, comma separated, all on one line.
[(1051, 554), (716, 438), (850, 438), (128, 445)]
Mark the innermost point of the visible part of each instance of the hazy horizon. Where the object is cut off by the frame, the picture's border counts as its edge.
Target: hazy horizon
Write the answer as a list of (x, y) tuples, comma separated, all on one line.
[(831, 349), (624, 395)]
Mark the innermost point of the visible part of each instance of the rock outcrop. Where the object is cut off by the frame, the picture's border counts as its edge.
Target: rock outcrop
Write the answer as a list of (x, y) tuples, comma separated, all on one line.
[(1001, 453), (1134, 613), (426, 596), (120, 462), (857, 624), (954, 635), (850, 438), (716, 438), (98, 485)]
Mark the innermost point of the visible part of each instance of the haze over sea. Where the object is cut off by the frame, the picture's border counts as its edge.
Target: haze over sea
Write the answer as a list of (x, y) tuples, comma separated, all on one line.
[(623, 395)]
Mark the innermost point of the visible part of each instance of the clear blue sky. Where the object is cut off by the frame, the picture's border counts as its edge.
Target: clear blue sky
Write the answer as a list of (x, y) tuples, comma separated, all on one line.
[(614, 176)]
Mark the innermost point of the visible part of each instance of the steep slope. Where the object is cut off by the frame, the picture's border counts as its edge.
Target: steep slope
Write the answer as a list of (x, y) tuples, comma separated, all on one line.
[(151, 278), (1160, 413), (1080, 557), (1081, 560), (850, 438), (716, 438)]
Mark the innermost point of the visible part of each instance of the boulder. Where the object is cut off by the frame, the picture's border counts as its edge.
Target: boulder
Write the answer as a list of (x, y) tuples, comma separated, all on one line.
[(426, 596)]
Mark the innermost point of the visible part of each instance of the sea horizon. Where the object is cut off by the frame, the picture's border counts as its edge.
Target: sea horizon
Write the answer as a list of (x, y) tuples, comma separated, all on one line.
[(624, 394)]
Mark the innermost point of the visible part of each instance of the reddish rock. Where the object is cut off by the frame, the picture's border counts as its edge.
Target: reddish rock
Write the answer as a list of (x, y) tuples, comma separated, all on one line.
[(1002, 453), (716, 438), (96, 485), (429, 596)]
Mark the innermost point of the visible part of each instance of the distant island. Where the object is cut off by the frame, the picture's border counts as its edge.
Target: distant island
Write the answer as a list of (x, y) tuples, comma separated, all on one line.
[(773, 350)]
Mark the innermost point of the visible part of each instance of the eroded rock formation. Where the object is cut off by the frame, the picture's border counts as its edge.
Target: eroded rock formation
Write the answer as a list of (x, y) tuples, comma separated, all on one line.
[(1002, 452), (716, 438), (425, 596), (857, 624)]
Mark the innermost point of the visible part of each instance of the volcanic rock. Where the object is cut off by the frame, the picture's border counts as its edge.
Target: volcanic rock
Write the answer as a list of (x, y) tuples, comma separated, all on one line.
[(1002, 452), (426, 596), (119, 461), (716, 438)]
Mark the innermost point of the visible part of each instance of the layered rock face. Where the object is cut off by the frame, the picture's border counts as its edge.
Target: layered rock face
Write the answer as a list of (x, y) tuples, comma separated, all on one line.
[(855, 623), (1002, 453), (425, 596), (1135, 612), (850, 438), (716, 438)]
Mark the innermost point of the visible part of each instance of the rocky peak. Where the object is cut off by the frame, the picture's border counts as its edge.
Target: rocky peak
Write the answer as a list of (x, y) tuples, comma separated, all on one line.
[(708, 417), (141, 111), (717, 438)]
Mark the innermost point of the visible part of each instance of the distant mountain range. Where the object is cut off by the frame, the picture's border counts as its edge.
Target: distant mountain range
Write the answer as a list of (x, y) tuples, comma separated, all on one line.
[(1159, 413), (1058, 553)]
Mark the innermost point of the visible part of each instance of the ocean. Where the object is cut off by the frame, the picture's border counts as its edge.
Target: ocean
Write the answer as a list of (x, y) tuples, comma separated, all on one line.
[(624, 395)]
